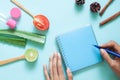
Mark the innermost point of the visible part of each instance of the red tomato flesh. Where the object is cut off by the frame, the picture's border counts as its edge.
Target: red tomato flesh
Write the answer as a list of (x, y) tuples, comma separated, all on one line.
[(41, 22)]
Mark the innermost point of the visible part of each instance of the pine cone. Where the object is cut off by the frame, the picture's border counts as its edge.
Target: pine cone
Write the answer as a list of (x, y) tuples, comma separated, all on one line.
[(95, 7), (80, 2)]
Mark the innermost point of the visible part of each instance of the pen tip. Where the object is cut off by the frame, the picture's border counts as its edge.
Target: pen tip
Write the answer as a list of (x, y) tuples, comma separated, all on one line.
[(96, 46)]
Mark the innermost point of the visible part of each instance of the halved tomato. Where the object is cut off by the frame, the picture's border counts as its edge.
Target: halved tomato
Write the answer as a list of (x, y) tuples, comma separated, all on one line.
[(41, 22)]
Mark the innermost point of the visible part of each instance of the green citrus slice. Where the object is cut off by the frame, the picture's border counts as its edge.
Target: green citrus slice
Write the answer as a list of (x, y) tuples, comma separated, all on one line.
[(31, 55)]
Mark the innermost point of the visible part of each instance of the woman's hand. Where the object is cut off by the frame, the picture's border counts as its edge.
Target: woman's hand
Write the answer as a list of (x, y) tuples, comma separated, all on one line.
[(56, 71), (114, 63)]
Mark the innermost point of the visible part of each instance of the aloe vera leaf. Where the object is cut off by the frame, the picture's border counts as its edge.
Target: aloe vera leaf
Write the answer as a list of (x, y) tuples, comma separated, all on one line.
[(27, 35), (14, 38), (11, 41), (15, 41)]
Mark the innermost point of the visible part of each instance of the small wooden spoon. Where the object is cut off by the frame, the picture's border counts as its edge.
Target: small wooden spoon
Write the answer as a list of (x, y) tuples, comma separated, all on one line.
[(30, 55)]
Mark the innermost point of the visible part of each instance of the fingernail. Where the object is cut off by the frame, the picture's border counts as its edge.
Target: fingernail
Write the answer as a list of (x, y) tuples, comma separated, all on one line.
[(59, 55), (50, 58), (55, 59), (102, 50), (68, 69), (44, 66), (55, 53)]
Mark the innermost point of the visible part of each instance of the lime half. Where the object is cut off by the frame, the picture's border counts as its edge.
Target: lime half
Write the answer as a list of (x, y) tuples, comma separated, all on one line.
[(31, 55)]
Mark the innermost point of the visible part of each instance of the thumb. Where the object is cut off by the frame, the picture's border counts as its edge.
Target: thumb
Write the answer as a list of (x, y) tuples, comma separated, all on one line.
[(69, 74), (106, 56)]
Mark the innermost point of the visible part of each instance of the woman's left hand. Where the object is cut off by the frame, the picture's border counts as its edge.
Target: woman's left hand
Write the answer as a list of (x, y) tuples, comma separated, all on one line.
[(56, 71)]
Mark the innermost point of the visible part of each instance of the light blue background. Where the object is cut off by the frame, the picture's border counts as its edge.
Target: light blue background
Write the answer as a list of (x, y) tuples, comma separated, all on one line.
[(64, 16)]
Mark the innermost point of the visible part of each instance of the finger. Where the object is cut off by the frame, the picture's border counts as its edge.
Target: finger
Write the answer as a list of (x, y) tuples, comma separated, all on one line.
[(54, 67), (59, 66), (110, 44), (50, 66), (106, 56), (69, 74), (116, 58), (46, 73)]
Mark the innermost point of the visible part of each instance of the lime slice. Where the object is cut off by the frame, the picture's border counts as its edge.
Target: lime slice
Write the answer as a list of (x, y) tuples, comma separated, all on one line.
[(31, 55)]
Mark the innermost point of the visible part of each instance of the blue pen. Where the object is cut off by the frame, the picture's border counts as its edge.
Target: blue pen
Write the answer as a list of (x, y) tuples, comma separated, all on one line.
[(108, 51)]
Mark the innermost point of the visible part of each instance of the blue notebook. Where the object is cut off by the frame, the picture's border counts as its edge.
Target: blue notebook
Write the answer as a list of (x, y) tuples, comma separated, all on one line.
[(77, 48)]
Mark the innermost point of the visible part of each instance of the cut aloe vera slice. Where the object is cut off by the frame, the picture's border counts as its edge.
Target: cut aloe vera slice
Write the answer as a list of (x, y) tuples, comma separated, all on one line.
[(27, 35)]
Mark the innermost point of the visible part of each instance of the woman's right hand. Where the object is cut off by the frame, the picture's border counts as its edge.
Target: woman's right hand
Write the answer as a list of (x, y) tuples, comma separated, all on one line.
[(114, 63)]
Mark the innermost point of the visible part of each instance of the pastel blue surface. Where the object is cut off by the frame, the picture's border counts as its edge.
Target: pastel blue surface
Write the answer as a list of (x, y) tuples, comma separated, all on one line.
[(64, 16), (77, 48)]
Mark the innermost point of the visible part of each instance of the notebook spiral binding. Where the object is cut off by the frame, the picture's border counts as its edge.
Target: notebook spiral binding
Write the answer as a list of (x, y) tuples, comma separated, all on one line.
[(62, 51)]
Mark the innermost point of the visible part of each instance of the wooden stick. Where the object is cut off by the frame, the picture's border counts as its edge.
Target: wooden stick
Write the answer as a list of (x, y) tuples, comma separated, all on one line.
[(110, 18), (11, 60), (23, 8), (105, 7)]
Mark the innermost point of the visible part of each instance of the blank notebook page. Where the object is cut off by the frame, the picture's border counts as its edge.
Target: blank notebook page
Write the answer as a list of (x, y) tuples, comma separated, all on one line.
[(77, 48)]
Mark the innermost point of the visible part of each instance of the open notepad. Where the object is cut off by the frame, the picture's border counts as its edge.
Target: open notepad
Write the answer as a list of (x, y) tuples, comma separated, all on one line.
[(77, 48)]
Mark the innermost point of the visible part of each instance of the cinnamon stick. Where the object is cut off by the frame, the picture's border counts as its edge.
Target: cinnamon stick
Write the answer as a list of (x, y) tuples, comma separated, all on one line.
[(110, 18), (105, 7)]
